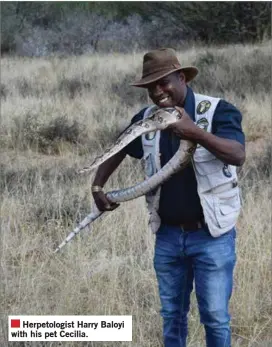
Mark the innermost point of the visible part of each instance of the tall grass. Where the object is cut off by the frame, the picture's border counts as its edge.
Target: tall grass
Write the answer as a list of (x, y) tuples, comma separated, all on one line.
[(56, 115)]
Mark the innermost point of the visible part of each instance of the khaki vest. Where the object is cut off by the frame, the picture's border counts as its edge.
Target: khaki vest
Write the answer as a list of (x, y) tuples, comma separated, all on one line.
[(216, 182)]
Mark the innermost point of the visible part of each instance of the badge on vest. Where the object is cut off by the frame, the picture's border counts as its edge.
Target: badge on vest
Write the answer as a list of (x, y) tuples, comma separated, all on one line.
[(150, 136), (203, 123), (203, 106), (226, 171)]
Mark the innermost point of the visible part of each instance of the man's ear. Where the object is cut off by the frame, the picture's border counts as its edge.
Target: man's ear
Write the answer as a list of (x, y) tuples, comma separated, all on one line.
[(182, 77)]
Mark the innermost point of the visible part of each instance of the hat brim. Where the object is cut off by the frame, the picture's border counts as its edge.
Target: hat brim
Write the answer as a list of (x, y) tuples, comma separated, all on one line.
[(190, 73)]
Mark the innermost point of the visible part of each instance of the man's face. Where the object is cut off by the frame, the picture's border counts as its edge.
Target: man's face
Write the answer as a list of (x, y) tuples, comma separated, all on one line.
[(169, 91)]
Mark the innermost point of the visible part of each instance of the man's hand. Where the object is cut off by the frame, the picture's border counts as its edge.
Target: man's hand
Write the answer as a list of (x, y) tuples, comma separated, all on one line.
[(185, 128), (228, 151), (102, 203)]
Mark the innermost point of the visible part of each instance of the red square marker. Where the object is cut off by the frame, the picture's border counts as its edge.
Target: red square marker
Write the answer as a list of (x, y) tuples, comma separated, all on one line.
[(15, 323)]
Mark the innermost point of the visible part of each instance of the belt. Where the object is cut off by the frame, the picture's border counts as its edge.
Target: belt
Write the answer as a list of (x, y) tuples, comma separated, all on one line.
[(193, 226)]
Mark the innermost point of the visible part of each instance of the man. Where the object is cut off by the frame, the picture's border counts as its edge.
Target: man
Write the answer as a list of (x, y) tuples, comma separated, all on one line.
[(198, 206)]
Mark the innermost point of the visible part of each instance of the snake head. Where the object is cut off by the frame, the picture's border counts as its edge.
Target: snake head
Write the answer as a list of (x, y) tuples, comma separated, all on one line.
[(159, 120)]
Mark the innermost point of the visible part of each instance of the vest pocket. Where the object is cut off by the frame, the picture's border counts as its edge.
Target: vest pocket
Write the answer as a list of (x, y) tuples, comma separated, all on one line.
[(206, 163), (202, 154), (227, 207)]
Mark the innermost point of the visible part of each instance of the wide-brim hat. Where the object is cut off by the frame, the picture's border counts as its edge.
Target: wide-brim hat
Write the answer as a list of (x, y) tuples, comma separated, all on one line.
[(160, 63)]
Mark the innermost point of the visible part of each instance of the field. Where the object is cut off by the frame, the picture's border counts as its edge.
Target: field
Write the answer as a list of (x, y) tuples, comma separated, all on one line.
[(57, 114)]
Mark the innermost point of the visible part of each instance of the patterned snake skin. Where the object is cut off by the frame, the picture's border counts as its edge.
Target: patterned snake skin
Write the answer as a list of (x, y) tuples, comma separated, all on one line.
[(159, 120)]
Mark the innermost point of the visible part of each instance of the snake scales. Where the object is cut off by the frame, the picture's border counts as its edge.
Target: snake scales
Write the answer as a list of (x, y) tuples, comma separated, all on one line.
[(159, 120)]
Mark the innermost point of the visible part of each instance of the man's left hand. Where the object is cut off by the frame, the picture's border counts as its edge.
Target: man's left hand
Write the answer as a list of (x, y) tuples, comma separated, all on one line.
[(185, 128)]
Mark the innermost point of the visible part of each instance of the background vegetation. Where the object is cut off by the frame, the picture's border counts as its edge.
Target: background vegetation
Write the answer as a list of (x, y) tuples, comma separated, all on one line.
[(56, 115), (43, 28)]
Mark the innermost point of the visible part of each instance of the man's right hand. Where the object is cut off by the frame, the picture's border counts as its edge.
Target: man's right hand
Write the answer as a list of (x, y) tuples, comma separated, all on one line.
[(102, 203)]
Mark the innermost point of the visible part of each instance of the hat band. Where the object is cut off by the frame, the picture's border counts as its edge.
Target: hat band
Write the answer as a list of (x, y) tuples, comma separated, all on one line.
[(163, 69)]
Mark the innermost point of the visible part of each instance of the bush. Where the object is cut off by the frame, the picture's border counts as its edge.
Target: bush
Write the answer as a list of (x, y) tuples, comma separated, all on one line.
[(46, 138), (25, 89), (3, 91), (73, 87), (221, 73), (258, 168), (76, 33), (22, 180), (128, 94), (40, 29)]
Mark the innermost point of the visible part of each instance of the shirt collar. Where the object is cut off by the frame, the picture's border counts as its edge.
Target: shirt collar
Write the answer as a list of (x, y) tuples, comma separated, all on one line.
[(189, 103)]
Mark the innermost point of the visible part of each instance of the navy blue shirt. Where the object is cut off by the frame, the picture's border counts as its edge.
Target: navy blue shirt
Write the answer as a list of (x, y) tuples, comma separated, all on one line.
[(179, 200)]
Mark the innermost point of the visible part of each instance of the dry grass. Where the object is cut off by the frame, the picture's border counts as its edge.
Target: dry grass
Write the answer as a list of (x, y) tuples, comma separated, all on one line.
[(56, 115)]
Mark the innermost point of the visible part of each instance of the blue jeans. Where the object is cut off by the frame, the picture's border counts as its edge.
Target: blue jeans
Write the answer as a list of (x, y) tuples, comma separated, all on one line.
[(181, 257)]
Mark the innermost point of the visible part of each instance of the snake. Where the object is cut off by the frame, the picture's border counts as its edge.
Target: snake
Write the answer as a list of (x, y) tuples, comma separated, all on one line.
[(160, 119)]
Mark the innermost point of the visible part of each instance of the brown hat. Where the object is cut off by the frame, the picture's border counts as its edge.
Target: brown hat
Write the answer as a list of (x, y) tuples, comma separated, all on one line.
[(160, 63)]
